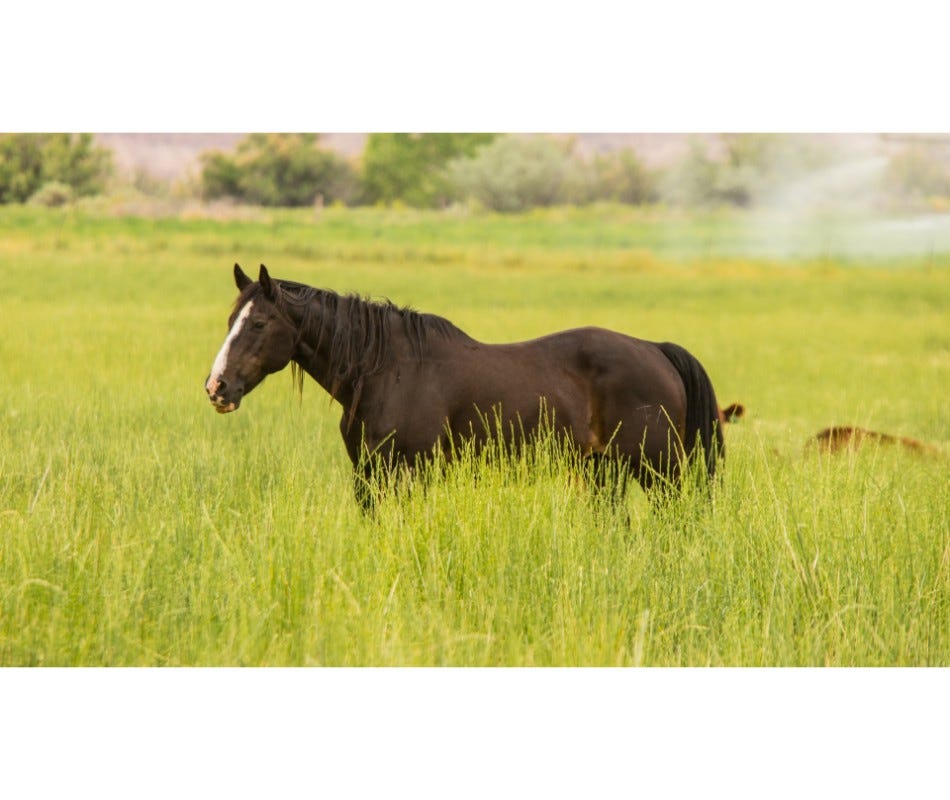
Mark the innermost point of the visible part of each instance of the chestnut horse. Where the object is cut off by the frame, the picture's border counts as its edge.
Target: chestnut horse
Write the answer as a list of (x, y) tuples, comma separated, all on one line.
[(411, 384)]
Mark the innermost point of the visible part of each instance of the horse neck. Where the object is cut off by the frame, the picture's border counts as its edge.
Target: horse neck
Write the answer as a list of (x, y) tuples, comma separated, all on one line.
[(340, 342)]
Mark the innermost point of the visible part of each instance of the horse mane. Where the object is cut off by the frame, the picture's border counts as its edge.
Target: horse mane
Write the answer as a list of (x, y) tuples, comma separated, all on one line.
[(356, 327)]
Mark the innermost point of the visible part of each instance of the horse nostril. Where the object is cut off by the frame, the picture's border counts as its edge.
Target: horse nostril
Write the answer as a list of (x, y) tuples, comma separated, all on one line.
[(222, 385)]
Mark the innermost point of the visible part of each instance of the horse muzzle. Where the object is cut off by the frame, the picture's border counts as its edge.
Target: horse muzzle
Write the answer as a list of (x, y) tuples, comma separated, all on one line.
[(224, 397)]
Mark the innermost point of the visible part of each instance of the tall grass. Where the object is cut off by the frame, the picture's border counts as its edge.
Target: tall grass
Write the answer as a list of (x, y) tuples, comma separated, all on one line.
[(137, 527)]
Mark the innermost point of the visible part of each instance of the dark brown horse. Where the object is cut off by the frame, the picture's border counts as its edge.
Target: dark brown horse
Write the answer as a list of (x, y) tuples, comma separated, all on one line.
[(411, 384)]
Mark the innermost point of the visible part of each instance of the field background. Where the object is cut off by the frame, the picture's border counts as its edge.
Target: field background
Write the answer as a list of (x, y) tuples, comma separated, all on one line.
[(137, 527)]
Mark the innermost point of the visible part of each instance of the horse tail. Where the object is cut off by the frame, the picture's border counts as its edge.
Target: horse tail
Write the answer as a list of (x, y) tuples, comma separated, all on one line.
[(702, 410)]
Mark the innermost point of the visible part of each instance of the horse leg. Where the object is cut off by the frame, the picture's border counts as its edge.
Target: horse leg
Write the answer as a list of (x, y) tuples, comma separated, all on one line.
[(372, 476), (374, 464), (609, 476), (365, 488), (671, 475), (385, 471)]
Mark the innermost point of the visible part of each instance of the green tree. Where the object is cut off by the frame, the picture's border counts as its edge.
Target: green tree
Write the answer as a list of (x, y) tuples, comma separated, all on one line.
[(411, 166), (28, 161), (278, 169)]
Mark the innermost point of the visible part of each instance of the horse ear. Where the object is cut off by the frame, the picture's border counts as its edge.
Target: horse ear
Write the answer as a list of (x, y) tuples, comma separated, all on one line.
[(732, 413), (266, 284), (240, 278)]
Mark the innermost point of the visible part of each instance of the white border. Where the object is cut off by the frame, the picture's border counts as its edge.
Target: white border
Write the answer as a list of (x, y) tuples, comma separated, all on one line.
[(473, 733), (422, 65)]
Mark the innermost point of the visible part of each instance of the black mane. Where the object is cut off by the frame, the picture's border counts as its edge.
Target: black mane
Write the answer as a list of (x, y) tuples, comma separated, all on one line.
[(356, 327)]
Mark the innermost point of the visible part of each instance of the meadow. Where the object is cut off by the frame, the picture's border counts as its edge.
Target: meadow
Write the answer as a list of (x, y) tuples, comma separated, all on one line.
[(138, 527)]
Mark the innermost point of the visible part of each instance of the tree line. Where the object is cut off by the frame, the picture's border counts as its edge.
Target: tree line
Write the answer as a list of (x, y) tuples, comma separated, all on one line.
[(424, 170), (505, 173)]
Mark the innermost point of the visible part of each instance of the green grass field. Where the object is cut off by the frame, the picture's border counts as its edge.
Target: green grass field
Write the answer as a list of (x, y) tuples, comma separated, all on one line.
[(138, 527)]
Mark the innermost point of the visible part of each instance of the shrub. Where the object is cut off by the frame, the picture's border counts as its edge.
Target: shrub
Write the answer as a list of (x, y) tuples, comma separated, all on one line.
[(621, 177), (514, 173), (28, 161), (53, 194), (692, 181), (278, 169), (917, 173), (753, 169)]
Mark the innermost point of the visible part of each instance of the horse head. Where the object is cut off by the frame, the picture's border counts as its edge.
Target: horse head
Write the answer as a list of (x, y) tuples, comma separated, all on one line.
[(261, 340)]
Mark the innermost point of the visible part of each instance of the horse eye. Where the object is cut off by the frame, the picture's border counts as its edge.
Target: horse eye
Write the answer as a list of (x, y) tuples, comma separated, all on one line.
[(259, 324)]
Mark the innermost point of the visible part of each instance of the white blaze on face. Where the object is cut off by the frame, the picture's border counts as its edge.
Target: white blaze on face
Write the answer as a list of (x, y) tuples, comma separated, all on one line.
[(221, 362)]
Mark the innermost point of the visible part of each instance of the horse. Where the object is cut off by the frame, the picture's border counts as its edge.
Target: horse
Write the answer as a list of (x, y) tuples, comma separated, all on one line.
[(848, 437), (412, 385)]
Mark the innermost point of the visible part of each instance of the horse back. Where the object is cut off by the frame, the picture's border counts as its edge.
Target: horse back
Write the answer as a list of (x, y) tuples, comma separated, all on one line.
[(599, 385)]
